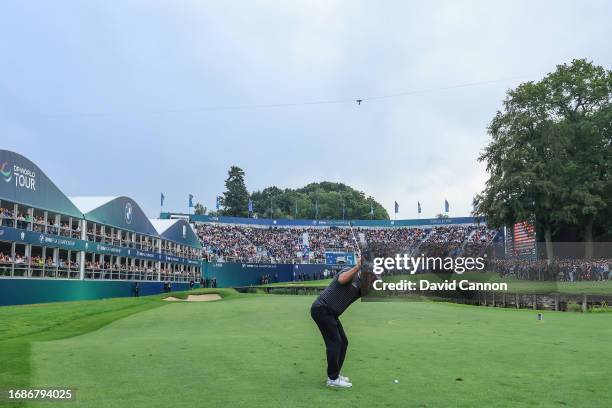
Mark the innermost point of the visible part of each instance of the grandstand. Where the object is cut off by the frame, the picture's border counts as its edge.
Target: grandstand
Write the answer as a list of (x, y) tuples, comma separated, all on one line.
[(294, 244), (56, 248), (246, 251)]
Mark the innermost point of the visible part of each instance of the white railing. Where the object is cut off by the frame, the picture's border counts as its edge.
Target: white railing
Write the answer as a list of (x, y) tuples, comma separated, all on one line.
[(21, 270)]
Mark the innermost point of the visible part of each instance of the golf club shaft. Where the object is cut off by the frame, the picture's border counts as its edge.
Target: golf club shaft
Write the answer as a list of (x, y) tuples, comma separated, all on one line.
[(355, 239)]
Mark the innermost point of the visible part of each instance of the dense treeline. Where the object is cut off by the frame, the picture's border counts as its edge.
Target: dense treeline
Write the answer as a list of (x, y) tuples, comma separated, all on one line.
[(325, 200)]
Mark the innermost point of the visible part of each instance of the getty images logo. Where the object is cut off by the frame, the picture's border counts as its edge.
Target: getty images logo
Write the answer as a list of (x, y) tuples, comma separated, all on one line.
[(128, 213), (7, 175)]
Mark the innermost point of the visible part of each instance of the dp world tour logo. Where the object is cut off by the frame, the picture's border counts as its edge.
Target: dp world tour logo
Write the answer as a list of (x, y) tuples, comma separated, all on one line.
[(6, 174), (128, 213)]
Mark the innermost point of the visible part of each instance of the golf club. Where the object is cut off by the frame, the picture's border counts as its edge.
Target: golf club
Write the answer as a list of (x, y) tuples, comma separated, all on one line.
[(355, 238)]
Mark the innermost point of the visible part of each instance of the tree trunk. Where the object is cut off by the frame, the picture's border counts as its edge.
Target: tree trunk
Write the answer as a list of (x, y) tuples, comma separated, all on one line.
[(588, 239), (549, 245)]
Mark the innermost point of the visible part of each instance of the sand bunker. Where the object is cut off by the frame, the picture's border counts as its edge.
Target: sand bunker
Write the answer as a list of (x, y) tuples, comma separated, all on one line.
[(195, 298), (203, 298)]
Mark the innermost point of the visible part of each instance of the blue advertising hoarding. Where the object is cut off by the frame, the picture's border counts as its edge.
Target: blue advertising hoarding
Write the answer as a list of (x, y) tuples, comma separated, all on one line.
[(56, 241), (339, 258), (29, 291), (232, 274)]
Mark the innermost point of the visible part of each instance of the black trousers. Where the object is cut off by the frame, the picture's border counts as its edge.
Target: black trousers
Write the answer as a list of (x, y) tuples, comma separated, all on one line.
[(336, 342)]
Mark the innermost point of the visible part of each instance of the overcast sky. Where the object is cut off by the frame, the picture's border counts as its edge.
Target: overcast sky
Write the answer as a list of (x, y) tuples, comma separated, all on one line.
[(124, 97)]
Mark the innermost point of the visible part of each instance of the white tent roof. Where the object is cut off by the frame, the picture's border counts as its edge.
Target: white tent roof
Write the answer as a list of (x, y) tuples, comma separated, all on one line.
[(87, 204), (162, 225)]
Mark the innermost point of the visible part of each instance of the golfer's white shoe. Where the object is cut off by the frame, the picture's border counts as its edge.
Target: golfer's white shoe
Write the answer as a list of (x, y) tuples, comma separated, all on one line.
[(344, 378), (338, 383)]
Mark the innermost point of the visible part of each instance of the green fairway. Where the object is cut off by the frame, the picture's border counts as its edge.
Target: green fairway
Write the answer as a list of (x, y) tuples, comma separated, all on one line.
[(315, 283), (264, 350), (21, 326)]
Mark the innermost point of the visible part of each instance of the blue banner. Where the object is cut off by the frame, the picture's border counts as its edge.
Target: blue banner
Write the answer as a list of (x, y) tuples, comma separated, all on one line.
[(55, 241), (339, 258), (229, 274), (37, 238)]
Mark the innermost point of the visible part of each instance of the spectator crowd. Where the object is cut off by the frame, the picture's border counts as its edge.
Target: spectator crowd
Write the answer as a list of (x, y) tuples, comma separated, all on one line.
[(309, 244), (559, 269)]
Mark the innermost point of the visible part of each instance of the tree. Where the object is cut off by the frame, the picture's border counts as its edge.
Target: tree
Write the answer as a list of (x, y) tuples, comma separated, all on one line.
[(580, 102), (265, 202), (324, 200), (235, 200), (199, 209), (521, 164), (549, 157), (441, 216)]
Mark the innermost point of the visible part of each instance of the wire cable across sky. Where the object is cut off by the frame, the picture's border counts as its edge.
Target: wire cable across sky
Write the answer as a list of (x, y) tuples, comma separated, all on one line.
[(357, 100)]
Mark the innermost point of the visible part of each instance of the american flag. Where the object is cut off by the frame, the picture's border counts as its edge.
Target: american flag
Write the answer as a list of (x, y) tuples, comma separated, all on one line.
[(524, 238)]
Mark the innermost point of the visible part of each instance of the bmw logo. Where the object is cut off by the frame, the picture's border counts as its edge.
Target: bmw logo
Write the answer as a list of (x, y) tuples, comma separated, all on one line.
[(128, 213)]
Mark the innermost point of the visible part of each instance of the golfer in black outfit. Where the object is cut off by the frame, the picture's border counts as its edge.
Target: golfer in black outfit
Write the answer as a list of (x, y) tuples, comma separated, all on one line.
[(343, 290)]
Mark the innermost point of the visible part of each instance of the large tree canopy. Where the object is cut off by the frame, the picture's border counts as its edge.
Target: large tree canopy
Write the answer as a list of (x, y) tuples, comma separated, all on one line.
[(325, 200), (550, 156)]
